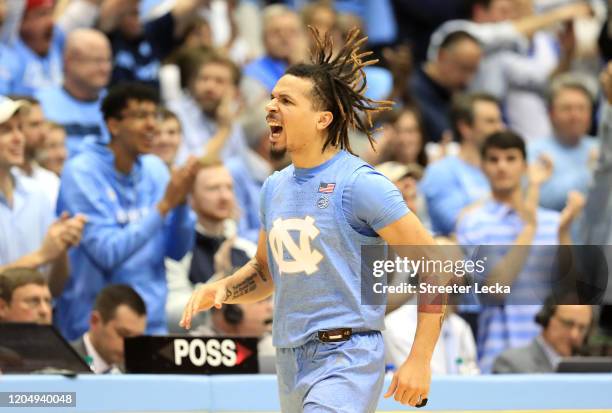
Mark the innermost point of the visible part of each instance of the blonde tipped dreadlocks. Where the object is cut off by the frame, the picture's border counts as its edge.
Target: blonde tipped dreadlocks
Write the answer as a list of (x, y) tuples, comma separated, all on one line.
[(339, 86)]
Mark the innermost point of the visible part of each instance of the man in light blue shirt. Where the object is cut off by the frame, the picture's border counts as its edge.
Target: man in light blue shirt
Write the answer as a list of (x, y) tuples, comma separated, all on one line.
[(38, 50), (76, 104), (571, 150), (29, 237), (512, 217), (206, 110), (454, 182), (136, 212)]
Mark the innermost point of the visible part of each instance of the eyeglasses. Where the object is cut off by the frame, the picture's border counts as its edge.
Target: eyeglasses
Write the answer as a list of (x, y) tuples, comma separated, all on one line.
[(95, 60), (143, 115), (571, 324)]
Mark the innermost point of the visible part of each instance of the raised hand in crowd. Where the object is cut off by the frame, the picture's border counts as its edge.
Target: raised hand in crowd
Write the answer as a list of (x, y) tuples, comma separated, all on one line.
[(574, 205), (179, 186), (228, 109), (541, 170)]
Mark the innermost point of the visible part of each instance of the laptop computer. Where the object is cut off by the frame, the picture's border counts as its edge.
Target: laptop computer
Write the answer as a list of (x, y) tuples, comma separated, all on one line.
[(585, 365), (35, 348)]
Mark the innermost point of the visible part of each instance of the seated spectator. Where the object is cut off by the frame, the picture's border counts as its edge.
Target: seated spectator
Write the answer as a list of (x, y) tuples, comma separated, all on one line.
[(29, 236), (53, 152), (285, 44), (168, 138), (24, 297), (76, 103), (33, 129), (118, 313), (136, 209), (402, 141), (571, 150), (216, 249), (448, 72), (512, 217), (564, 331), (207, 109), (455, 351), (454, 182)]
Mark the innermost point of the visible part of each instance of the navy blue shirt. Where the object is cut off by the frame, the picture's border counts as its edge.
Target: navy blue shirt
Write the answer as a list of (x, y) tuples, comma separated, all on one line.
[(139, 59), (434, 102)]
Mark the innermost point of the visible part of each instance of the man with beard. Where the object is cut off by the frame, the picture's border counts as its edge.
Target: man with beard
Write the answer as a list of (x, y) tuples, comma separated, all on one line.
[(316, 215), (207, 109), (217, 249), (33, 128)]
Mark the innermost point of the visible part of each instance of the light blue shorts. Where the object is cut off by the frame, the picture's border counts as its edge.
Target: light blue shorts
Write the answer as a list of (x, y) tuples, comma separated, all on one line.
[(346, 376)]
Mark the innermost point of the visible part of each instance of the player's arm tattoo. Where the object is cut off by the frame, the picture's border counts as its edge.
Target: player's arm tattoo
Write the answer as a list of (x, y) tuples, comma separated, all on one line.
[(248, 284), (242, 288), (260, 271)]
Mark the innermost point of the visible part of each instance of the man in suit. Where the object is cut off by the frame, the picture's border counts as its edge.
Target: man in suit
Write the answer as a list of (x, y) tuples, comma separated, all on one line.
[(565, 328), (119, 312)]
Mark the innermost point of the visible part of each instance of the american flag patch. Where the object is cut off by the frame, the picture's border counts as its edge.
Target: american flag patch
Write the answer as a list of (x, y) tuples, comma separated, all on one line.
[(326, 188)]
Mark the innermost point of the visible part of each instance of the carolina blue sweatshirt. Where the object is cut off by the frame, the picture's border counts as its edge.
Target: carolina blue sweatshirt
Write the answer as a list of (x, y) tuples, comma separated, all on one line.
[(125, 239)]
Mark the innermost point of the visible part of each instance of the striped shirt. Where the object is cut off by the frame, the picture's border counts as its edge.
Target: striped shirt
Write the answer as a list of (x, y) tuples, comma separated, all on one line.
[(507, 326)]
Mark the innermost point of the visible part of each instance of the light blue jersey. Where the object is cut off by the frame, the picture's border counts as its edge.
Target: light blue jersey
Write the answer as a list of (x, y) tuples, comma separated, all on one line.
[(81, 119), (33, 72), (314, 252)]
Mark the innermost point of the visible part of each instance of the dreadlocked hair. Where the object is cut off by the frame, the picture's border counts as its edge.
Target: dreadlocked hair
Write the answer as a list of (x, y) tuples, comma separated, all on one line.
[(339, 86)]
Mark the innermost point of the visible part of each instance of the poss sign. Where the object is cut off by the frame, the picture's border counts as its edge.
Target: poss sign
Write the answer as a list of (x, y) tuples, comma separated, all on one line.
[(191, 355)]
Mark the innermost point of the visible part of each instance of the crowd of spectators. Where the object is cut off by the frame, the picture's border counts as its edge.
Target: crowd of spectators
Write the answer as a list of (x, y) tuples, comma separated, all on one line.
[(133, 147)]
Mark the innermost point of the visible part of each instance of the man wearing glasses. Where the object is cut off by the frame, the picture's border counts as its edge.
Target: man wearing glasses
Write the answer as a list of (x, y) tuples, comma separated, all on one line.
[(136, 211), (565, 328)]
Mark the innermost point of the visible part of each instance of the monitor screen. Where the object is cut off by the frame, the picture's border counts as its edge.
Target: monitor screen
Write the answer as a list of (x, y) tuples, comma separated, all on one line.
[(27, 348)]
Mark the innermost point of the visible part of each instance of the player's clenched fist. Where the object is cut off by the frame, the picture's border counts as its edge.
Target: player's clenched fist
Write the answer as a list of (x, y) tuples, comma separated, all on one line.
[(410, 384), (204, 298)]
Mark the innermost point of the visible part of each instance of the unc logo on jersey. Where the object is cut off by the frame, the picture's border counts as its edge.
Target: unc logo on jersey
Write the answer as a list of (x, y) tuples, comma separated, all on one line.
[(305, 259)]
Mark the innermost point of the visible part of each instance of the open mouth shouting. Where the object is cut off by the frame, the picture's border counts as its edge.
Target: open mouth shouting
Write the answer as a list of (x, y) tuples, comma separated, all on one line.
[(275, 127)]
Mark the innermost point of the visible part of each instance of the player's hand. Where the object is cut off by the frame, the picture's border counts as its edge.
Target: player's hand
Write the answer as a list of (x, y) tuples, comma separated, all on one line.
[(410, 384), (204, 298)]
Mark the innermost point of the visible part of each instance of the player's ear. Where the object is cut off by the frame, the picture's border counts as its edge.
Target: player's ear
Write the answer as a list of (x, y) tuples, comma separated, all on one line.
[(324, 120), (96, 318), (112, 125)]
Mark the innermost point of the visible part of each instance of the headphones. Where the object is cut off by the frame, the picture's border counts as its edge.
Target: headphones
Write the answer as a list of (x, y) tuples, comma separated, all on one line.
[(546, 312), (232, 313)]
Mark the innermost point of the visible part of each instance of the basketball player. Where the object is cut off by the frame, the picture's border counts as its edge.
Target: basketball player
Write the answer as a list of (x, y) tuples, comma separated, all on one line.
[(316, 214)]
